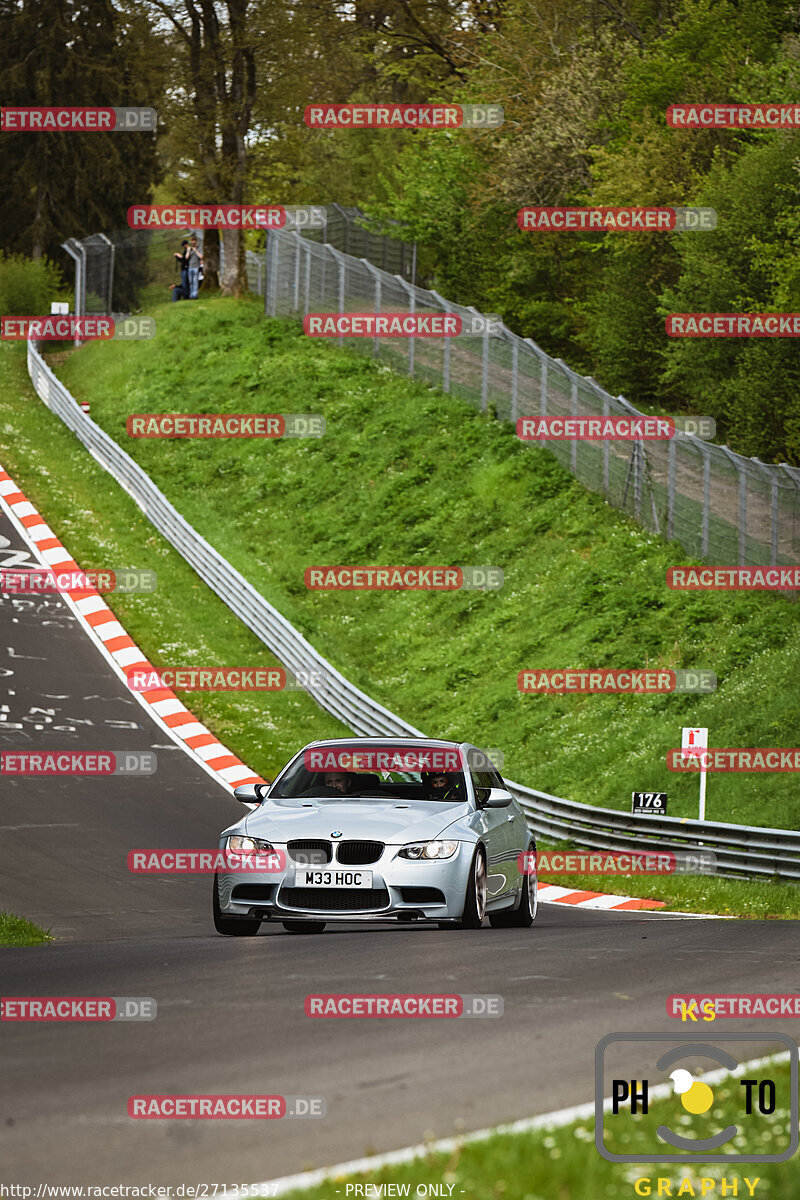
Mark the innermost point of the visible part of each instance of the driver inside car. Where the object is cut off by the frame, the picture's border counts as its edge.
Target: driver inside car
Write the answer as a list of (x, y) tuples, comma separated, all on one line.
[(339, 783), (439, 785)]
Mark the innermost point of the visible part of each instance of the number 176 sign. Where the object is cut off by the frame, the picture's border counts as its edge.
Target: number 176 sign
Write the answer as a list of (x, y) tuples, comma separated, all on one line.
[(649, 802)]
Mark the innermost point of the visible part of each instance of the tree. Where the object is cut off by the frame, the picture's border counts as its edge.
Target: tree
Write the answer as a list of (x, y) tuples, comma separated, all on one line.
[(215, 59), (63, 184)]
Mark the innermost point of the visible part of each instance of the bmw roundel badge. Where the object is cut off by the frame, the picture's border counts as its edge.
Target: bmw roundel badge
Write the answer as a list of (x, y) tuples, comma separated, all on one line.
[(336, 833)]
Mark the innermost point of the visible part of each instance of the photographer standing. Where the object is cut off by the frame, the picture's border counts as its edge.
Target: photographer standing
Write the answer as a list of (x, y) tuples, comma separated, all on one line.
[(194, 261), (181, 291)]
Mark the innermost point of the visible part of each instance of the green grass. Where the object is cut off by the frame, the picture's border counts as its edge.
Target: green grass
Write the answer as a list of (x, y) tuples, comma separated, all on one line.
[(16, 931), (408, 474), (562, 1163)]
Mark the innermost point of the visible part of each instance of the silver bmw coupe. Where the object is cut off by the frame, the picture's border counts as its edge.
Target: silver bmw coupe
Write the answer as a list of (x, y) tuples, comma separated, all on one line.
[(379, 829)]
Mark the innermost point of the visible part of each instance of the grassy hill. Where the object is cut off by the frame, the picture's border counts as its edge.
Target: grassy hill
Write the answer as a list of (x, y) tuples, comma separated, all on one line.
[(406, 474)]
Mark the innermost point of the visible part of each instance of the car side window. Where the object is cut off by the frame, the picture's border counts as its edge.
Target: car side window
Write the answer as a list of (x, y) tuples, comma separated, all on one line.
[(482, 783)]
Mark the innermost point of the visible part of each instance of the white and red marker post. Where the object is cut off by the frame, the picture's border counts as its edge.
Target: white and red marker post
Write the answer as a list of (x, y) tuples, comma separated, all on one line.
[(694, 743)]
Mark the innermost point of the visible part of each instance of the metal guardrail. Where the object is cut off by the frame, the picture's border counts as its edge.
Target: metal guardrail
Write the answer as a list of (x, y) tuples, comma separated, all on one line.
[(740, 849)]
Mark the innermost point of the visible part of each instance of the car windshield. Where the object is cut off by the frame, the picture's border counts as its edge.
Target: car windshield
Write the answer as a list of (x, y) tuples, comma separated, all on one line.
[(299, 782)]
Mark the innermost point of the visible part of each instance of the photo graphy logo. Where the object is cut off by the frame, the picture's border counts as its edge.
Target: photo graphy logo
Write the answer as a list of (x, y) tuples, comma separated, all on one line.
[(656, 1093)]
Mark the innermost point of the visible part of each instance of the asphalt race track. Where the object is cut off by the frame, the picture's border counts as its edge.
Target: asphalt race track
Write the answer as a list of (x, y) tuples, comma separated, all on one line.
[(230, 1011)]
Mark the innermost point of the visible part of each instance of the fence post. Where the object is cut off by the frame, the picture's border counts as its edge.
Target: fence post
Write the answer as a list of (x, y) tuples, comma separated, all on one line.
[(307, 283), (573, 408), (77, 258), (638, 471), (275, 243), (792, 476), (741, 523), (341, 292), (339, 260), (411, 341), (111, 249), (446, 359), (296, 249), (376, 275), (706, 502), (573, 450), (484, 363), (514, 379), (671, 489)]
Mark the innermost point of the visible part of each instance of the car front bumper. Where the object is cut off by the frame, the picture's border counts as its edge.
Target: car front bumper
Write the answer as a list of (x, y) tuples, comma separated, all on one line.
[(401, 889)]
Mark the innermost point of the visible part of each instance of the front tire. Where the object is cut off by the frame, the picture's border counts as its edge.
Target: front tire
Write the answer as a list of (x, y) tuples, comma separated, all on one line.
[(475, 898), (303, 926), (233, 926), (523, 916)]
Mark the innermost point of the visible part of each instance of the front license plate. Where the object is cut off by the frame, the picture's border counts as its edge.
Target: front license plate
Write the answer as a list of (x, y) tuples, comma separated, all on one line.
[(332, 879)]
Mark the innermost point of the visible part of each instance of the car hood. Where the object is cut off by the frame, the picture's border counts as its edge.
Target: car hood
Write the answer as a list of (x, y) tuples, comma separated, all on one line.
[(393, 822)]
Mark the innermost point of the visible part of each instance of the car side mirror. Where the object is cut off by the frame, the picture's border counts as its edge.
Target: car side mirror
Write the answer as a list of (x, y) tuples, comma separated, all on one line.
[(250, 793), (498, 798)]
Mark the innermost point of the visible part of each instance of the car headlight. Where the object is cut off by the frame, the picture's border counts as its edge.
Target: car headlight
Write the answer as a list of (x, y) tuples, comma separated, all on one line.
[(429, 850), (247, 845)]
